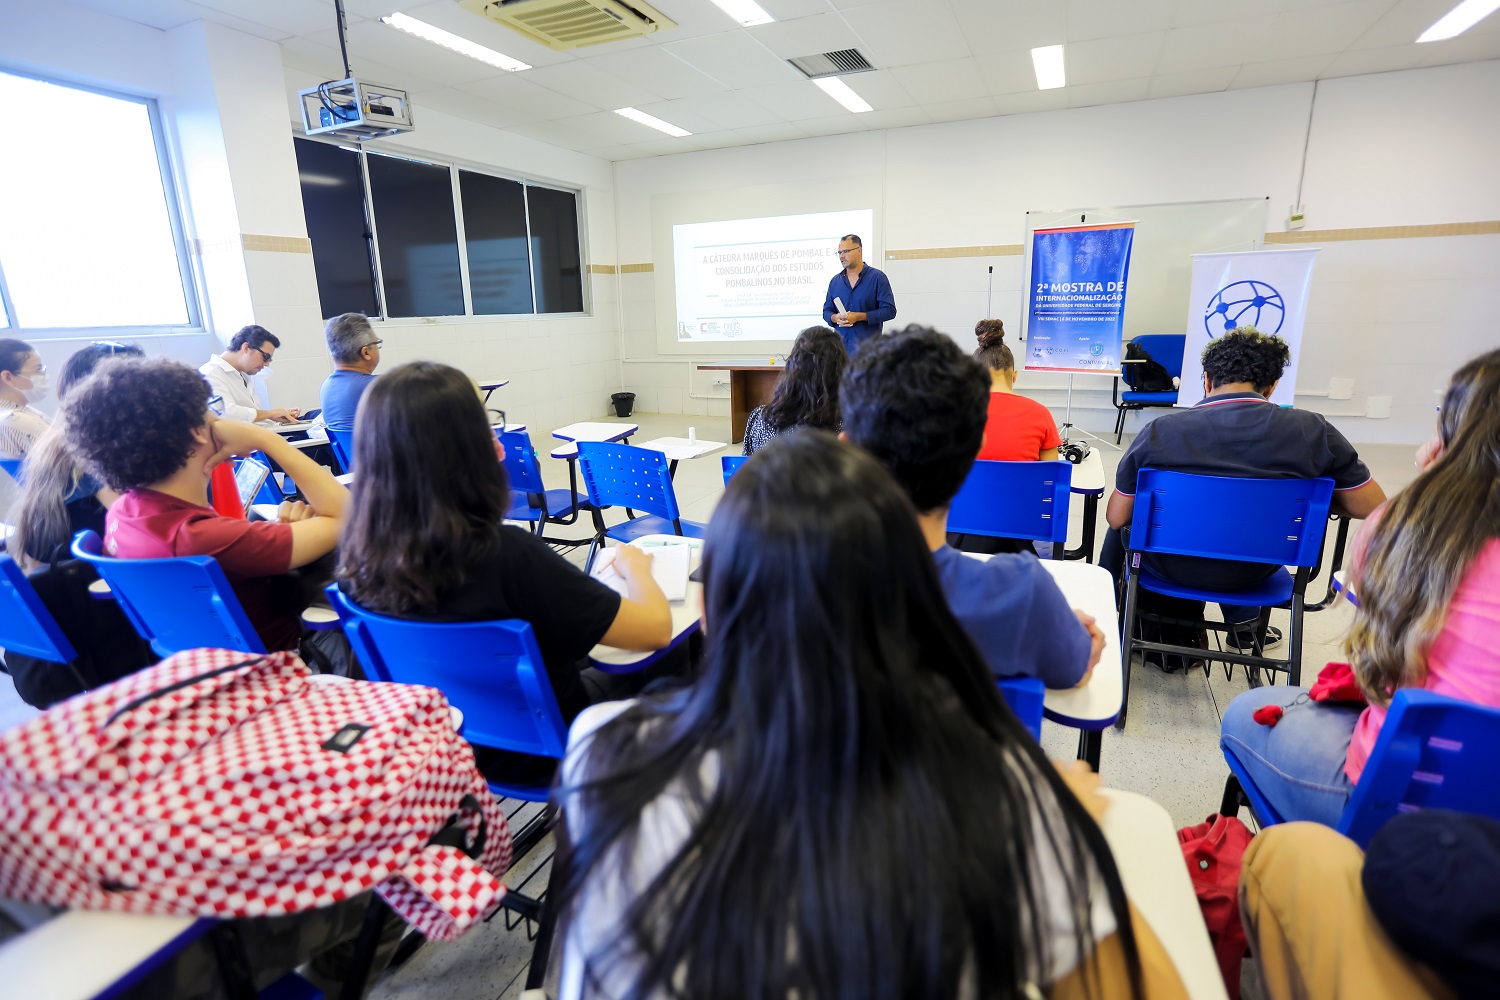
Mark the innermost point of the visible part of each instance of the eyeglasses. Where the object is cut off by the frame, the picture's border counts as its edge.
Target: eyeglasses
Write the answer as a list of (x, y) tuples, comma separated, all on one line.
[(263, 354), (843, 253), (375, 343), (216, 405)]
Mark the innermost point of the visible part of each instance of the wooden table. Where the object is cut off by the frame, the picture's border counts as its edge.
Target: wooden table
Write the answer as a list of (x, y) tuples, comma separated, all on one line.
[(750, 385)]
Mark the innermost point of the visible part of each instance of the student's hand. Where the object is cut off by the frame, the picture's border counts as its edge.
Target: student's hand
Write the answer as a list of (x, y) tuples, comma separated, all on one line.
[(1096, 637), (292, 511), (233, 437), (1084, 784), (631, 563), (283, 416), (1430, 452)]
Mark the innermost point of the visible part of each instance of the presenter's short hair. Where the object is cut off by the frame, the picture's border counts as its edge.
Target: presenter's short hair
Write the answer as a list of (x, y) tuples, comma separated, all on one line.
[(253, 336), (347, 335), (918, 403), (854, 239), (1244, 354)]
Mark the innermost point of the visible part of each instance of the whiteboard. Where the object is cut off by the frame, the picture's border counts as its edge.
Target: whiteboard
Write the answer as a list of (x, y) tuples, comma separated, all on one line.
[(1161, 261)]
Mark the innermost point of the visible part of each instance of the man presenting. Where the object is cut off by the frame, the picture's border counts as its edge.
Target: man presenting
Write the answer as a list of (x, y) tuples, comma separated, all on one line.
[(865, 293)]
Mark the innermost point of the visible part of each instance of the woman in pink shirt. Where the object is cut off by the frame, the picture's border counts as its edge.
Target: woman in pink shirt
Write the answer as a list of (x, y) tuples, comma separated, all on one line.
[(1427, 572)]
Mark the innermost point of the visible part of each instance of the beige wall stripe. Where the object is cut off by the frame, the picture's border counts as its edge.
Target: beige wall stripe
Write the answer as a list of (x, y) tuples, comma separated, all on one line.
[(601, 269), (938, 253), (276, 244), (1386, 232), (636, 268)]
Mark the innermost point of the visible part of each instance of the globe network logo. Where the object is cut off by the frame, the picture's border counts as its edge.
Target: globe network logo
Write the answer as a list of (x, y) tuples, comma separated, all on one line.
[(1244, 303)]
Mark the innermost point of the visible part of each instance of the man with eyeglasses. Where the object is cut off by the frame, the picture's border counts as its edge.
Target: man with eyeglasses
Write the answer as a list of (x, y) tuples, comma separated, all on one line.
[(229, 375), (865, 293), (355, 350)]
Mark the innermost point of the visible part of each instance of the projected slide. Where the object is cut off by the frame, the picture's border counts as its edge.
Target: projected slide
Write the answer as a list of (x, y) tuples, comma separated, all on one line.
[(758, 279)]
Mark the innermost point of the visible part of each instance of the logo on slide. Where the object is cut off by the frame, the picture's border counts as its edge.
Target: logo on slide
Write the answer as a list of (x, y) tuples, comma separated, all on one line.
[(1244, 303)]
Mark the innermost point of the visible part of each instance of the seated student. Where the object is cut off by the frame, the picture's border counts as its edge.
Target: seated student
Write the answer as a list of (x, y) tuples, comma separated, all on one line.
[(146, 430), (425, 539), (58, 499), (250, 352), (23, 382), (806, 394), (840, 806), (1016, 429), (1236, 431), (1427, 571), (917, 403), (355, 350)]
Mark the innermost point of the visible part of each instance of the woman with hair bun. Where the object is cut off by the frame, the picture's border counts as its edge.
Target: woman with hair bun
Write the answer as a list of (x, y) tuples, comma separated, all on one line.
[(1018, 429)]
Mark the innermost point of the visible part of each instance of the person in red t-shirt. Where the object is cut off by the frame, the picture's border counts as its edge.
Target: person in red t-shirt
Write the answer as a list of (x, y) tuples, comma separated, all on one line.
[(1018, 429), (146, 430)]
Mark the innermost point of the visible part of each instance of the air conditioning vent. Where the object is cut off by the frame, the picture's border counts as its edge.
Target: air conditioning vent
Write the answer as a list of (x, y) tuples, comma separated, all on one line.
[(832, 63), (572, 24)]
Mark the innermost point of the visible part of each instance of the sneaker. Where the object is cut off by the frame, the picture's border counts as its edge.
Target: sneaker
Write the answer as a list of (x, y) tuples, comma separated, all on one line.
[(1245, 639)]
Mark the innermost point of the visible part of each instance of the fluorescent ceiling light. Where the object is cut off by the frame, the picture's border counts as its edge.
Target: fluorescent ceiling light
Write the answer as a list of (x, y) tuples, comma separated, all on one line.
[(652, 121), (1459, 19), (747, 12), (839, 91), (457, 43), (1048, 61)]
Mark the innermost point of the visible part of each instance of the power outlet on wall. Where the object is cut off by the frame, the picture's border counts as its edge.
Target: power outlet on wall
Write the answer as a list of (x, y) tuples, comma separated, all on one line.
[(1296, 217)]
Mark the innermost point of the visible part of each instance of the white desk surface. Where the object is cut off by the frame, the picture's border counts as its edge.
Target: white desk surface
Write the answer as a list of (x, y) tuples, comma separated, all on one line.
[(1088, 475), (79, 954), (293, 427), (492, 386), (685, 613), (678, 449), (345, 479), (311, 441), (1144, 843), (594, 430), (1090, 589)]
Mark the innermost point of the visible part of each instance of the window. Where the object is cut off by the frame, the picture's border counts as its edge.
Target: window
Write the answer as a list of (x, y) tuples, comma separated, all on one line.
[(88, 228), (440, 241)]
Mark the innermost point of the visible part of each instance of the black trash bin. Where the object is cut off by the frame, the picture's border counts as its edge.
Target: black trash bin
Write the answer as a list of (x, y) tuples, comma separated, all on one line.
[(624, 402)]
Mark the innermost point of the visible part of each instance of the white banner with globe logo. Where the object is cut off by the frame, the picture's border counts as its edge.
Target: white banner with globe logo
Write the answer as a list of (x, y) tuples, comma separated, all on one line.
[(1266, 289)]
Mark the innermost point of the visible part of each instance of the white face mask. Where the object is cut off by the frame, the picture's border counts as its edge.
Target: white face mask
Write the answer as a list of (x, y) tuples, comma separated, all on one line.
[(38, 390)]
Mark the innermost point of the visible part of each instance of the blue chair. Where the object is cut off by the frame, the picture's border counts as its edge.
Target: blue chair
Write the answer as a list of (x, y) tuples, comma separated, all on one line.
[(26, 626), (1166, 350), (12, 467), (342, 443), (1015, 500), (732, 465), (1433, 752), (1278, 522), (1024, 696), (178, 603), (530, 499), (617, 475)]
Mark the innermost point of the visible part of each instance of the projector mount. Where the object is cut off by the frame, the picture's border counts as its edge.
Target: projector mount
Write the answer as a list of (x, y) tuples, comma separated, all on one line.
[(350, 108)]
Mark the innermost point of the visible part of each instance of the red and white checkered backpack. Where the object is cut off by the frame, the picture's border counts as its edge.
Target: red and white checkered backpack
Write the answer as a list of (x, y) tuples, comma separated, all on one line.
[(228, 784)]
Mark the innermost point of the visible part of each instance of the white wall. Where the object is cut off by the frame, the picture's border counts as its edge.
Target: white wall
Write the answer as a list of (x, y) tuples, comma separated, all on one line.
[(1397, 315)]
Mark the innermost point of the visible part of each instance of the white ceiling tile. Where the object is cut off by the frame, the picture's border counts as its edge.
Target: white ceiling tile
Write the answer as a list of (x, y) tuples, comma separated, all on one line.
[(896, 117), (289, 17), (1194, 12), (1357, 62), (473, 107), (1104, 18), (1468, 47), (1403, 22), (954, 111), (806, 36), (834, 124), (605, 128), (1007, 27), (1035, 100), (588, 83), (477, 28), (1278, 71), (951, 80), (880, 89), (726, 110), (513, 90), (734, 59), (898, 34), (1198, 81), (657, 70), (1007, 73), (678, 114), (785, 10), (1211, 46), (1321, 30), (371, 41), (772, 133), (560, 133), (319, 54), (163, 15), (1086, 95), (795, 101), (1101, 60)]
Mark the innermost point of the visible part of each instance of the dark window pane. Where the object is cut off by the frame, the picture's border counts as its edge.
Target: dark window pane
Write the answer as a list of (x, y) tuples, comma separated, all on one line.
[(333, 199), (495, 234), (554, 242), (418, 237)]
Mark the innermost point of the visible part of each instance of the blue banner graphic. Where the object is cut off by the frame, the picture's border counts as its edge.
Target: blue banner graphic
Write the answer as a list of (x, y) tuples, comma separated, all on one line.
[(1076, 306)]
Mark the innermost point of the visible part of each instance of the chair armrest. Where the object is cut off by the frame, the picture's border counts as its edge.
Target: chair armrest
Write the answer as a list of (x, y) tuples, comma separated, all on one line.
[(99, 591), (320, 619)]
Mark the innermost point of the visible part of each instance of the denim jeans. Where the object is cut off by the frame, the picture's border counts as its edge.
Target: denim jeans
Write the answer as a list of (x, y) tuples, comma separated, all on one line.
[(1298, 764)]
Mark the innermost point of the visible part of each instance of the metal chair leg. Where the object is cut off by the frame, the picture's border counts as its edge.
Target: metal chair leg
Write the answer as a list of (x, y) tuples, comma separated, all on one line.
[(1127, 644), (1234, 797)]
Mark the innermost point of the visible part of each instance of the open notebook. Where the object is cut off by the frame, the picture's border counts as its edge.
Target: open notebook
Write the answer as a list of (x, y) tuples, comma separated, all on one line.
[(669, 567)]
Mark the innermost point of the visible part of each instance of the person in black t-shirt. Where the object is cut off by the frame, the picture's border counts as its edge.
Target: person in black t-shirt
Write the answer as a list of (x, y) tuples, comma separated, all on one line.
[(424, 539), (1237, 431)]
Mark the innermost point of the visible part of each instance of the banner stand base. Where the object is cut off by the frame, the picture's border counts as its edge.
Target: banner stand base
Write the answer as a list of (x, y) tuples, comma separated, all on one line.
[(1070, 448)]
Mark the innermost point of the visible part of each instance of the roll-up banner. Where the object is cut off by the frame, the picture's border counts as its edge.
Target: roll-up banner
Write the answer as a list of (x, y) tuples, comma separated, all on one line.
[(1076, 304)]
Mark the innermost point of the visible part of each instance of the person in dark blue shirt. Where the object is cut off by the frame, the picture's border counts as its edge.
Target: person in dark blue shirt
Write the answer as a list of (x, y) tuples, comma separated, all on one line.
[(356, 354), (919, 404), (866, 294)]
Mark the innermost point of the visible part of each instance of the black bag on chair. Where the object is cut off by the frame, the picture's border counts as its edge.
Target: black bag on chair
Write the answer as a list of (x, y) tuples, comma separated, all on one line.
[(107, 644), (1150, 376)]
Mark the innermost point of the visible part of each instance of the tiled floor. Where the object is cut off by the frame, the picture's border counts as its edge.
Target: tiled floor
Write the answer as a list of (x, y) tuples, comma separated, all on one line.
[(1169, 751)]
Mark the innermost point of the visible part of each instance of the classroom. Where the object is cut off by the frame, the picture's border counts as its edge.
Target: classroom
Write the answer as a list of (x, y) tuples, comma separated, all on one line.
[(560, 382)]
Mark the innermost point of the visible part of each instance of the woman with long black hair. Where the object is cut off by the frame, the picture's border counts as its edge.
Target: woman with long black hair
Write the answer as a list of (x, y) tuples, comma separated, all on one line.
[(806, 394), (841, 806)]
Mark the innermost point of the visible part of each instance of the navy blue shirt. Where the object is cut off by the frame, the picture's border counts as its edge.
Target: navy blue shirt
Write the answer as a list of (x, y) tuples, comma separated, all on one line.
[(1012, 610), (871, 295), (340, 397)]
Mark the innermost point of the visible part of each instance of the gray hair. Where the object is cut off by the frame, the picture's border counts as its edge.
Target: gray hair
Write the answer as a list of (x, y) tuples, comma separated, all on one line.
[(346, 335)]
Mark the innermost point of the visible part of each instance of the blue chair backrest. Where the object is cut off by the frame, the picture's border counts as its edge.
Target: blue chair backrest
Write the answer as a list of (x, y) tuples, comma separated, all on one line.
[(617, 475), (491, 671), (1024, 695), (1277, 521), (179, 603), (26, 626), (342, 443), (1166, 349), (732, 465), (12, 466), (1014, 500), (521, 465), (1433, 752)]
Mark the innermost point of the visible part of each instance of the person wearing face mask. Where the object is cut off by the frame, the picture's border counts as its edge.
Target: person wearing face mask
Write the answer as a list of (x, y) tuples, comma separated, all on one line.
[(23, 384)]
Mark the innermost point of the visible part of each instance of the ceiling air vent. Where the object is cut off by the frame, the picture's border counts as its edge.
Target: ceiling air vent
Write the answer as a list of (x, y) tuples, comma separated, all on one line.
[(832, 63), (572, 24)]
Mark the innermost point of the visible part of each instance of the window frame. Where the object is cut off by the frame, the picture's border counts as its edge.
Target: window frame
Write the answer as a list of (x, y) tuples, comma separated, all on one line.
[(454, 166), (171, 194)]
